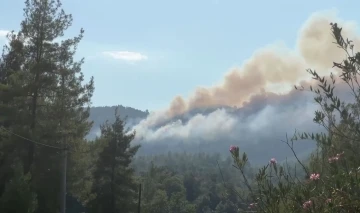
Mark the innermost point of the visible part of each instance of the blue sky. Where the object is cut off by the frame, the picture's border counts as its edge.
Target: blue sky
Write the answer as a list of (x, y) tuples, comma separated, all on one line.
[(158, 49)]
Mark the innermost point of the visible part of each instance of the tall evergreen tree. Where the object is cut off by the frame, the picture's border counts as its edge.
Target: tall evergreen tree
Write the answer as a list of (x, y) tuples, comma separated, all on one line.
[(114, 183), (43, 93), (18, 196), (11, 109)]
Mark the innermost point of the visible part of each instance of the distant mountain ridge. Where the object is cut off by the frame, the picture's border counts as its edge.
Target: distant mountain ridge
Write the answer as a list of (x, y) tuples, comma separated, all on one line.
[(99, 115), (260, 149)]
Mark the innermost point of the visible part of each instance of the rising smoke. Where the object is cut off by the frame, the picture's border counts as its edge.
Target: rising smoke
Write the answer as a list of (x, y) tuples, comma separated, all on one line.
[(265, 112)]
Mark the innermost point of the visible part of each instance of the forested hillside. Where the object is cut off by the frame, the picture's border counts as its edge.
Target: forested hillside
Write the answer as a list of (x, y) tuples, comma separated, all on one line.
[(259, 152), (99, 115), (50, 164)]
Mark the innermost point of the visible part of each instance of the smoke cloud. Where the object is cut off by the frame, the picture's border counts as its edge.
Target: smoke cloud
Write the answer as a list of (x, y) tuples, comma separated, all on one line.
[(262, 90), (272, 67)]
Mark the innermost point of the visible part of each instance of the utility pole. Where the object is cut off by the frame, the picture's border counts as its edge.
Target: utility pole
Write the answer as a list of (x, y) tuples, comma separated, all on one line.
[(139, 201), (63, 182)]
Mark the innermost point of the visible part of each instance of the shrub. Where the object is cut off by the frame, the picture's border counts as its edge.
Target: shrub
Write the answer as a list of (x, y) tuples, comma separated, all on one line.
[(332, 173)]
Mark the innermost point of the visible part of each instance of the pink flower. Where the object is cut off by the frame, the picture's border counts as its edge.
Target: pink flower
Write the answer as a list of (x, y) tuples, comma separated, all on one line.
[(252, 205), (314, 176), (328, 200), (307, 204), (333, 159), (339, 154), (273, 161), (336, 157), (232, 148)]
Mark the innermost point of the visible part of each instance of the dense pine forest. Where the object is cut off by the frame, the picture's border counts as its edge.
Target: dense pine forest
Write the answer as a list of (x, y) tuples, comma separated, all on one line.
[(49, 161)]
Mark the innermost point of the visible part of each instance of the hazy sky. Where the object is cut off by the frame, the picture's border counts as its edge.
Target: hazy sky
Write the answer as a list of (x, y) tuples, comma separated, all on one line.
[(143, 53)]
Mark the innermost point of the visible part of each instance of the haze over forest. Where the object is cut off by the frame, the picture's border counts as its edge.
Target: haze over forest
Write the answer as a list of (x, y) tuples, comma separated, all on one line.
[(254, 106), (275, 129)]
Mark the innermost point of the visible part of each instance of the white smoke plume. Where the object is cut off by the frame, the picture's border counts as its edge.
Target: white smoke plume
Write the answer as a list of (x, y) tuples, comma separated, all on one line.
[(265, 112)]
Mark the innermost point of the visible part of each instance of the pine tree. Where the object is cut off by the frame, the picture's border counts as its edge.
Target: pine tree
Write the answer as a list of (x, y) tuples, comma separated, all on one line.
[(18, 196), (11, 85), (114, 185), (43, 93), (10, 89)]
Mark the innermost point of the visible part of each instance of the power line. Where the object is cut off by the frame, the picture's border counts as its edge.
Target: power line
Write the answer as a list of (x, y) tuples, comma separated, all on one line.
[(46, 145), (49, 146), (63, 182), (29, 140)]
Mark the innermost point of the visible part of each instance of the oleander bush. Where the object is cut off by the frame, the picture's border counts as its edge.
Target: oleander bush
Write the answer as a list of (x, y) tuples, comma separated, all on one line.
[(332, 173)]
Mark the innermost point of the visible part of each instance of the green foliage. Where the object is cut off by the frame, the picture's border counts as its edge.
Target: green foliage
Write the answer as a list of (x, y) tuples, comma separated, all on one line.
[(192, 187), (178, 204), (101, 114), (191, 180), (332, 182), (158, 203), (43, 98), (114, 183), (18, 196), (226, 206)]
